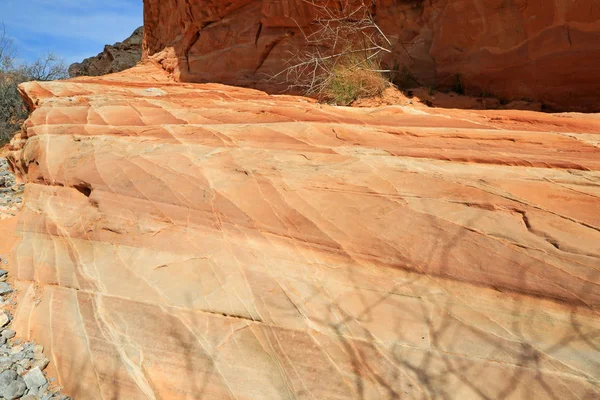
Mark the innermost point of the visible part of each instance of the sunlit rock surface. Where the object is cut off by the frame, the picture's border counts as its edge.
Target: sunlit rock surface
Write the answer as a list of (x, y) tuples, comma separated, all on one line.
[(189, 241)]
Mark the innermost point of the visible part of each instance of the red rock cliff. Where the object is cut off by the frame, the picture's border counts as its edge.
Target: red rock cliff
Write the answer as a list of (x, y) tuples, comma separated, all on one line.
[(548, 51)]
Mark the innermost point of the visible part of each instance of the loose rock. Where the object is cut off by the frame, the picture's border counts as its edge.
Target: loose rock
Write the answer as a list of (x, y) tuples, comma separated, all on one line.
[(34, 379), (41, 364), (4, 319), (8, 333), (4, 288), (11, 195), (6, 378), (15, 390)]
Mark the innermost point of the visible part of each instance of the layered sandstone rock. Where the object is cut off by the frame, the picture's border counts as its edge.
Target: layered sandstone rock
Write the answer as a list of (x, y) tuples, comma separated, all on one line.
[(547, 51), (200, 241), (115, 58)]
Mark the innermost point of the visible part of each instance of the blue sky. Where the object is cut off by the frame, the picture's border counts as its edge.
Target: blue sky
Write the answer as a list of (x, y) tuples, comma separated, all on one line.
[(71, 29)]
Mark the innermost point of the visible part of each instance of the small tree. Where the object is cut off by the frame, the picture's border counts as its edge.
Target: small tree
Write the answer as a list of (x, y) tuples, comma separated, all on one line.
[(340, 59), (12, 110), (47, 68), (11, 107), (7, 50)]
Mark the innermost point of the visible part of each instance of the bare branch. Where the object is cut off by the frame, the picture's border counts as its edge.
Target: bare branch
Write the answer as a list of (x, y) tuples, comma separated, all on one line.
[(342, 38), (47, 68), (12, 110), (7, 50)]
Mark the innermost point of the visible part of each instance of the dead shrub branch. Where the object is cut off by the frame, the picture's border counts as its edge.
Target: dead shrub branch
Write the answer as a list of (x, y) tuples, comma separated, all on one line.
[(340, 59)]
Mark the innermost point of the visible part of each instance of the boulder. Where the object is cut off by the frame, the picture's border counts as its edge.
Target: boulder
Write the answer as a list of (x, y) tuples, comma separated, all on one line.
[(34, 379)]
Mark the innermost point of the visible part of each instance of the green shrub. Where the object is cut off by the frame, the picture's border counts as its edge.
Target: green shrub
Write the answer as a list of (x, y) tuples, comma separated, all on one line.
[(353, 80), (339, 60)]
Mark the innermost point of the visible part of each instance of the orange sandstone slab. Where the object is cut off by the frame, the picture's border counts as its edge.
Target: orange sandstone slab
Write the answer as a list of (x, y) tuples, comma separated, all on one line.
[(192, 241)]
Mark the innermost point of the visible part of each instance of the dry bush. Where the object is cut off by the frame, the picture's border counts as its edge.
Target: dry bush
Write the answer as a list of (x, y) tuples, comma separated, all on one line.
[(352, 80), (47, 68), (12, 109), (340, 59)]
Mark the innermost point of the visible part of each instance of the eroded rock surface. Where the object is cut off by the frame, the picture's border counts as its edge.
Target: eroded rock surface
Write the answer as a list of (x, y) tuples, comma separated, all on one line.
[(200, 241), (547, 51), (115, 58)]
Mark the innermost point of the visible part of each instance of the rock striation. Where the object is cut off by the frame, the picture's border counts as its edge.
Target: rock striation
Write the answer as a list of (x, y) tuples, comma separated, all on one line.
[(547, 51), (116, 58), (202, 241)]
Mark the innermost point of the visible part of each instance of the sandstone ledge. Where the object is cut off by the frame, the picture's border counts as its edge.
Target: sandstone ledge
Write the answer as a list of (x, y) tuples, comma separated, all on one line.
[(203, 241)]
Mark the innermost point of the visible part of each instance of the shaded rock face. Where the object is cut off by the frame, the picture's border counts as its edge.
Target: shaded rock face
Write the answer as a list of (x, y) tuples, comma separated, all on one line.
[(200, 241), (539, 50), (116, 58)]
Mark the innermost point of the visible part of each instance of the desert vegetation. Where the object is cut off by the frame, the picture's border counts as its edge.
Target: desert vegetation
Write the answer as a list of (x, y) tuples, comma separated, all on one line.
[(13, 72), (340, 59)]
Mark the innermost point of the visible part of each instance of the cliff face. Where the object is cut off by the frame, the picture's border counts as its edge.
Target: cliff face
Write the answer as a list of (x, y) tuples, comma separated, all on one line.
[(199, 241), (115, 58), (514, 49)]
